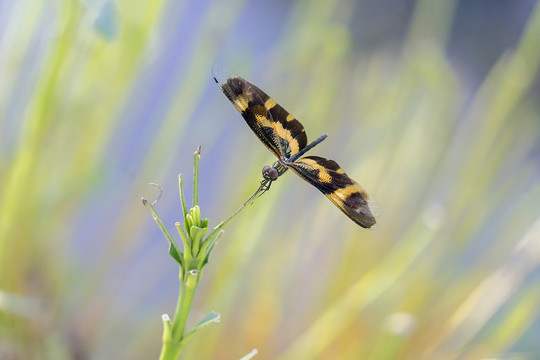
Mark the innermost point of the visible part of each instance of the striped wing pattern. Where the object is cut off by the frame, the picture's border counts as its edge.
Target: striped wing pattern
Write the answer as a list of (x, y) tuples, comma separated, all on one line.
[(278, 130), (327, 176)]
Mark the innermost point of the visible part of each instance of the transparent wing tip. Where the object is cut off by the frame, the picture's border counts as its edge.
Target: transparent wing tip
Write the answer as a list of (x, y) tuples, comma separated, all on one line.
[(221, 74)]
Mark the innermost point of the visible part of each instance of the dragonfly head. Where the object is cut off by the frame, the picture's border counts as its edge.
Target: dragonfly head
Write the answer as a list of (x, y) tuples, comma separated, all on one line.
[(270, 173)]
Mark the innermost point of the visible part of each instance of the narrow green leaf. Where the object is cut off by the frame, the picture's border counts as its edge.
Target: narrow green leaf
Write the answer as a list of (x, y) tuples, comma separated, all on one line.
[(212, 317), (174, 251)]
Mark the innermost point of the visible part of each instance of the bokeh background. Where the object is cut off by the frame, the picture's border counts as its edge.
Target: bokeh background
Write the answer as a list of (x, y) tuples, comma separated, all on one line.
[(433, 106)]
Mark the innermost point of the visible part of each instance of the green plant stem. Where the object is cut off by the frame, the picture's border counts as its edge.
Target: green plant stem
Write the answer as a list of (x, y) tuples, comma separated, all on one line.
[(188, 288), (173, 336), (170, 350), (192, 261)]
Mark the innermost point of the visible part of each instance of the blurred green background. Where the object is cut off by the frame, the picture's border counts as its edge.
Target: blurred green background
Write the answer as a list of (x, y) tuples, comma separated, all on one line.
[(432, 106)]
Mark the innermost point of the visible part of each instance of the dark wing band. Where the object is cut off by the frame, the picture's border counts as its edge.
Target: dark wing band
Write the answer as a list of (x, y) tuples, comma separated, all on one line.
[(327, 176), (279, 131)]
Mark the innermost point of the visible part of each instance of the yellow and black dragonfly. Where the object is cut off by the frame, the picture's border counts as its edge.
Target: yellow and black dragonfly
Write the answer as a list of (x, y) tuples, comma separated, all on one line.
[(285, 136)]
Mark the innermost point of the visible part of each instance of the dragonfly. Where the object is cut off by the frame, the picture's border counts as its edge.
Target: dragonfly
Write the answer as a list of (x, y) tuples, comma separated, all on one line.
[(286, 138)]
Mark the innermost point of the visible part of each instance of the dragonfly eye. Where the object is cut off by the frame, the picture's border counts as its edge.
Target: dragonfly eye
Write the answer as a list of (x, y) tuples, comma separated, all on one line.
[(270, 173)]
